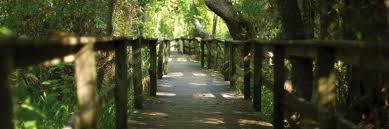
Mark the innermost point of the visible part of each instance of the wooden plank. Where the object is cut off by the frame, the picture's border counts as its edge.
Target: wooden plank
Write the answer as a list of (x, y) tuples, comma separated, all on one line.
[(202, 53), (325, 82), (226, 68), (258, 57), (278, 88), (153, 68), (246, 72), (137, 74), (6, 108), (85, 70), (160, 59), (122, 83)]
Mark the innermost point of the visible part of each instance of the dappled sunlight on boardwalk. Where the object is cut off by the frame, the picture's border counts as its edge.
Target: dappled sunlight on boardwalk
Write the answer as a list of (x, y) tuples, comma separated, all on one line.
[(192, 98)]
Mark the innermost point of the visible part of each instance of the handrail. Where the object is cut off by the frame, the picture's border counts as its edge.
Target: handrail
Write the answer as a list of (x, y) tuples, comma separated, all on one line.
[(17, 53), (369, 55)]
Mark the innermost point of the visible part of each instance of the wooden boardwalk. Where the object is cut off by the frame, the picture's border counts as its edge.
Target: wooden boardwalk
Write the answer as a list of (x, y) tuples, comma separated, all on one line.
[(192, 98)]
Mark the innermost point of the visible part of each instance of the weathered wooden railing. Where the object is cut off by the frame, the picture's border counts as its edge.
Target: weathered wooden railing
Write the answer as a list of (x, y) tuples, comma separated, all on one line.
[(17, 53), (367, 55)]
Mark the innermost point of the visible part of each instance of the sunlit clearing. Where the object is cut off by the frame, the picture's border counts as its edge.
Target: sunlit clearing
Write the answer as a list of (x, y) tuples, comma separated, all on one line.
[(203, 95), (219, 83), (170, 59), (181, 59), (199, 74), (54, 61), (327, 87), (197, 84), (214, 121), (87, 40), (69, 58), (231, 96), (288, 86), (165, 85), (160, 114), (254, 122), (175, 74), (70, 40), (165, 94), (67, 127)]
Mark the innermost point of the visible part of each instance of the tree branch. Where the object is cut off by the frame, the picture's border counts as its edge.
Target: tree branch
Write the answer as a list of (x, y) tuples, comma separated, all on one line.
[(239, 28), (200, 29)]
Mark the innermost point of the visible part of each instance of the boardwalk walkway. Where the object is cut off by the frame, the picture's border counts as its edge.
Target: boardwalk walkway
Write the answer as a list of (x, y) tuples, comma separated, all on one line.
[(192, 98)]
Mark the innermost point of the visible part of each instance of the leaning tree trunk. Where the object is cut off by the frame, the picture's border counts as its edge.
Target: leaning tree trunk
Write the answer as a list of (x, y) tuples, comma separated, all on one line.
[(239, 28)]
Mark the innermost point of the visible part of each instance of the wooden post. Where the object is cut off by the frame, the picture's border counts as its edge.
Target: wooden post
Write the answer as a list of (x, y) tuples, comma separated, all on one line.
[(232, 65), (137, 75), (226, 67), (214, 51), (153, 68), (168, 48), (184, 50), (165, 58), (209, 56), (181, 46), (190, 43), (325, 83), (85, 67), (202, 53), (246, 72), (122, 83), (302, 76), (160, 60), (257, 77), (6, 108), (278, 88)]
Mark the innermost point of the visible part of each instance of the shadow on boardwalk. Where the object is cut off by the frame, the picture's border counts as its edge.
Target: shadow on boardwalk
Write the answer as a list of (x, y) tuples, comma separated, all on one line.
[(192, 98)]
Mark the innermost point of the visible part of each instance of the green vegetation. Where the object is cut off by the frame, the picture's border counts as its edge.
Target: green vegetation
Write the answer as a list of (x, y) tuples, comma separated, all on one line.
[(45, 95)]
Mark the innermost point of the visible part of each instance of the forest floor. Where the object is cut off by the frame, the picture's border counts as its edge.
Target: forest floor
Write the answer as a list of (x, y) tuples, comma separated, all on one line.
[(193, 98)]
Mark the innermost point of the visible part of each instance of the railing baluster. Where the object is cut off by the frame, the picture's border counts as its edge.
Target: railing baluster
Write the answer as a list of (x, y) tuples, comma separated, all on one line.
[(202, 53), (325, 82), (257, 77), (122, 83), (278, 88), (232, 65), (246, 71), (165, 58), (6, 108), (214, 51), (226, 67), (85, 70), (137, 75), (160, 59), (153, 68), (209, 56)]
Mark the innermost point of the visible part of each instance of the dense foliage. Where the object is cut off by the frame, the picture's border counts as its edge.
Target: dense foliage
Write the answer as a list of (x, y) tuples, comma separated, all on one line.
[(45, 96)]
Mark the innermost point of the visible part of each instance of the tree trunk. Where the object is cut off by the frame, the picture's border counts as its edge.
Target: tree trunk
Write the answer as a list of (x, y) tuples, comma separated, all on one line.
[(239, 28), (214, 26)]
